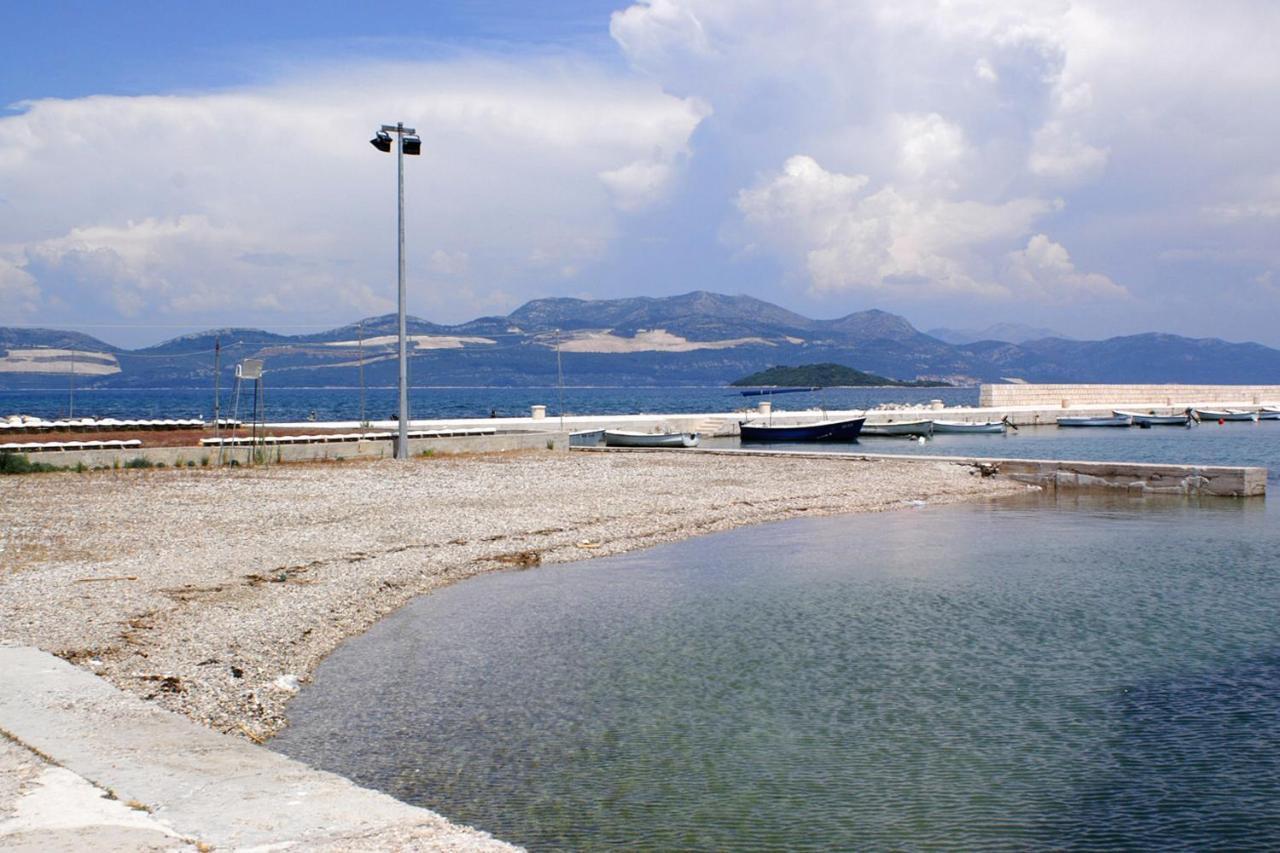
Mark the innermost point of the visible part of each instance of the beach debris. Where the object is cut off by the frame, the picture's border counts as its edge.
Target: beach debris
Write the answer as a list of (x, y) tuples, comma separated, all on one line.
[(251, 734), (168, 683), (287, 682), (110, 578), (523, 559), (587, 543)]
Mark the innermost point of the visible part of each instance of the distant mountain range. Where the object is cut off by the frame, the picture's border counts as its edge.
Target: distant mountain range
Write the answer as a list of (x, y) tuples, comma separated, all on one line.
[(1009, 333), (698, 338)]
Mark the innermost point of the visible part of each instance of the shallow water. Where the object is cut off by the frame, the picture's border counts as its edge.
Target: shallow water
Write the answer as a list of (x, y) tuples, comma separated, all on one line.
[(1089, 672), (1237, 443)]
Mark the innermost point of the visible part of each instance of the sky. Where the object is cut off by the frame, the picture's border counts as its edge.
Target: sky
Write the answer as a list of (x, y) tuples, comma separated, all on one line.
[(1097, 168)]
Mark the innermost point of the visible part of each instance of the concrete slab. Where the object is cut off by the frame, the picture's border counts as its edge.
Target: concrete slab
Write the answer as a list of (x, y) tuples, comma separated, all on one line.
[(186, 780), (1138, 477)]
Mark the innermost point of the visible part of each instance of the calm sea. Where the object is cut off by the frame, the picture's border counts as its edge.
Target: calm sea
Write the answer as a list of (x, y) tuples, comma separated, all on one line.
[(1079, 672), (343, 404), (1073, 673)]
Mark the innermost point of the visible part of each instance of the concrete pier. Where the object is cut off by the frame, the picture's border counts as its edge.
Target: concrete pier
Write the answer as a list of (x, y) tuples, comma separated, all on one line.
[(1133, 477), (1075, 395), (179, 785)]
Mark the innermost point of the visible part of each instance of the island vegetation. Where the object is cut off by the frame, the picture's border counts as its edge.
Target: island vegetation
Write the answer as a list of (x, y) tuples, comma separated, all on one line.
[(826, 375)]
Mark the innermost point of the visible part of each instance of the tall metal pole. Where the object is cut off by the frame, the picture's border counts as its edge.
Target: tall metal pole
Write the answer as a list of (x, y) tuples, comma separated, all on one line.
[(402, 445), (217, 386), (360, 350)]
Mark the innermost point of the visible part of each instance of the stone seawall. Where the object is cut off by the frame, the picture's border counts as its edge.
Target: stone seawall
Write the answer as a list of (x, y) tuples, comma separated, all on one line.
[(1171, 396), (181, 457)]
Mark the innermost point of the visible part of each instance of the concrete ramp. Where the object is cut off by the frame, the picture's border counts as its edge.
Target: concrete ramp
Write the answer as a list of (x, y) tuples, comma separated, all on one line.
[(202, 786)]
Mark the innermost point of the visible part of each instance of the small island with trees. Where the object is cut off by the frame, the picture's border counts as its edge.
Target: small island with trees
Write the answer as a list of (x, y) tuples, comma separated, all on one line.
[(827, 375)]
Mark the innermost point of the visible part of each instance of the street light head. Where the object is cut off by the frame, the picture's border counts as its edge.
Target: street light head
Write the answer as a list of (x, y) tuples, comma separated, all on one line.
[(382, 141), (412, 145)]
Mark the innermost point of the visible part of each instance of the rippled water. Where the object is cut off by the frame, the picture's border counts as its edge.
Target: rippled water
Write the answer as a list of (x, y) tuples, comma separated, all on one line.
[(1093, 672)]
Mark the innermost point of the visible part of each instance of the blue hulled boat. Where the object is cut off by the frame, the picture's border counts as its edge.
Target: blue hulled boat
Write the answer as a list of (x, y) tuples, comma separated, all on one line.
[(846, 430)]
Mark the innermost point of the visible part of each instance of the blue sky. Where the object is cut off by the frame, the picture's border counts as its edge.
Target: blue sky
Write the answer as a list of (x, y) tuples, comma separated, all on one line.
[(1096, 168)]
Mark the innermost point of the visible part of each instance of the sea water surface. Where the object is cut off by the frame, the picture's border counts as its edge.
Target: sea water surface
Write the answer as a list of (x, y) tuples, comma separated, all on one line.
[(344, 404), (1080, 671)]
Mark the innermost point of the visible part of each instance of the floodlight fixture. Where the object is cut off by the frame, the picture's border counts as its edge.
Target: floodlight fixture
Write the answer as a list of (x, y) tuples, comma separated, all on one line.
[(381, 141), (412, 145)]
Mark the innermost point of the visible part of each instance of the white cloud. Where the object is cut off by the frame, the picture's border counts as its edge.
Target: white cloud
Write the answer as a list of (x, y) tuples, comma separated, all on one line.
[(18, 292), (887, 240), (1044, 270), (268, 203), (1140, 116)]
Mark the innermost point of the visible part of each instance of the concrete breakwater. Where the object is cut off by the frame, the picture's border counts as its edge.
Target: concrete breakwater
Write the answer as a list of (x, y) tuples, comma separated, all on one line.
[(1135, 477), (1076, 395)]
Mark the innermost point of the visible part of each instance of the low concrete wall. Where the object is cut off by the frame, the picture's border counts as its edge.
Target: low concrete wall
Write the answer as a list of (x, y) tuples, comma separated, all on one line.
[(201, 456), (1136, 477), (1173, 396)]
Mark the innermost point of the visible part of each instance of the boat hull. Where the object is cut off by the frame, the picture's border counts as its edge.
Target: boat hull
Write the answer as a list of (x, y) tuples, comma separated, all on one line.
[(846, 430), (1095, 422), (1225, 415), (992, 427), (620, 438), (1154, 420), (902, 428)]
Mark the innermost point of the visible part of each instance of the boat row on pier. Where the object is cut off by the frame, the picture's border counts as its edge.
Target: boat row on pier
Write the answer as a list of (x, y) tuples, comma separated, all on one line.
[(1184, 419)]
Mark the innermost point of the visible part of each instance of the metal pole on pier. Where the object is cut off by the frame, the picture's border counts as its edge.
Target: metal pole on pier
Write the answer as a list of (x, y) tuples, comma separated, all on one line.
[(407, 142)]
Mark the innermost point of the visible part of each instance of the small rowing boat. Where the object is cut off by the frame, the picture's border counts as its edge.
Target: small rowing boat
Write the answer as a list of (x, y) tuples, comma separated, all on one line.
[(1269, 413), (899, 428), (1140, 419), (993, 427), (1114, 421), (622, 438), (1226, 415), (846, 430)]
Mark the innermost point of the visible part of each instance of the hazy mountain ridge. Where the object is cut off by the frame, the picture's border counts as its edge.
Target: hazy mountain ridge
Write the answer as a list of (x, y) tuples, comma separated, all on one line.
[(738, 334), (1010, 333)]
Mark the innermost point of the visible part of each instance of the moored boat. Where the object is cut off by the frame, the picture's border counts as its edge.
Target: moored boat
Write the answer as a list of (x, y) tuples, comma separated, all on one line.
[(993, 427), (1114, 421), (1269, 413), (1140, 419), (846, 430), (899, 428), (623, 438), (1226, 415)]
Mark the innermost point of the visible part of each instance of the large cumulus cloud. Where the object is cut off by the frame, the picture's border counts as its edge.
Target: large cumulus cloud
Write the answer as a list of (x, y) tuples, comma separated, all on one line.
[(964, 155)]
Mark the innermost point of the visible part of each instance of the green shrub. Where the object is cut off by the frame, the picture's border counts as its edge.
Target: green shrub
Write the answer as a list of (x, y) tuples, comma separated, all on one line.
[(139, 462), (18, 463)]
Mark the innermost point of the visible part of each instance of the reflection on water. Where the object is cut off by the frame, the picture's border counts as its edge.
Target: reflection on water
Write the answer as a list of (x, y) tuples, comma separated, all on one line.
[(1087, 672)]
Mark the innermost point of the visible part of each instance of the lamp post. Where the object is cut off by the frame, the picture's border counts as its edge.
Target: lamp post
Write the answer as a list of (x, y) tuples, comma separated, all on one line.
[(407, 142)]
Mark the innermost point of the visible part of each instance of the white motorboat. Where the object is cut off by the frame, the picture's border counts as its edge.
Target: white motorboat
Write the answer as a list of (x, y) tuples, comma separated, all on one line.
[(899, 428), (623, 438), (1139, 419), (993, 427), (1226, 415), (1114, 421)]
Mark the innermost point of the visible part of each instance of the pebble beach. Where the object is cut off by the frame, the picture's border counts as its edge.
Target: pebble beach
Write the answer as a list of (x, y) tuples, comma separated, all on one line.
[(216, 592)]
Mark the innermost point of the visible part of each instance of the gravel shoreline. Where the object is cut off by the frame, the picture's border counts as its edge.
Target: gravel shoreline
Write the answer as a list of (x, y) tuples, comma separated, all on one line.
[(216, 592)]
